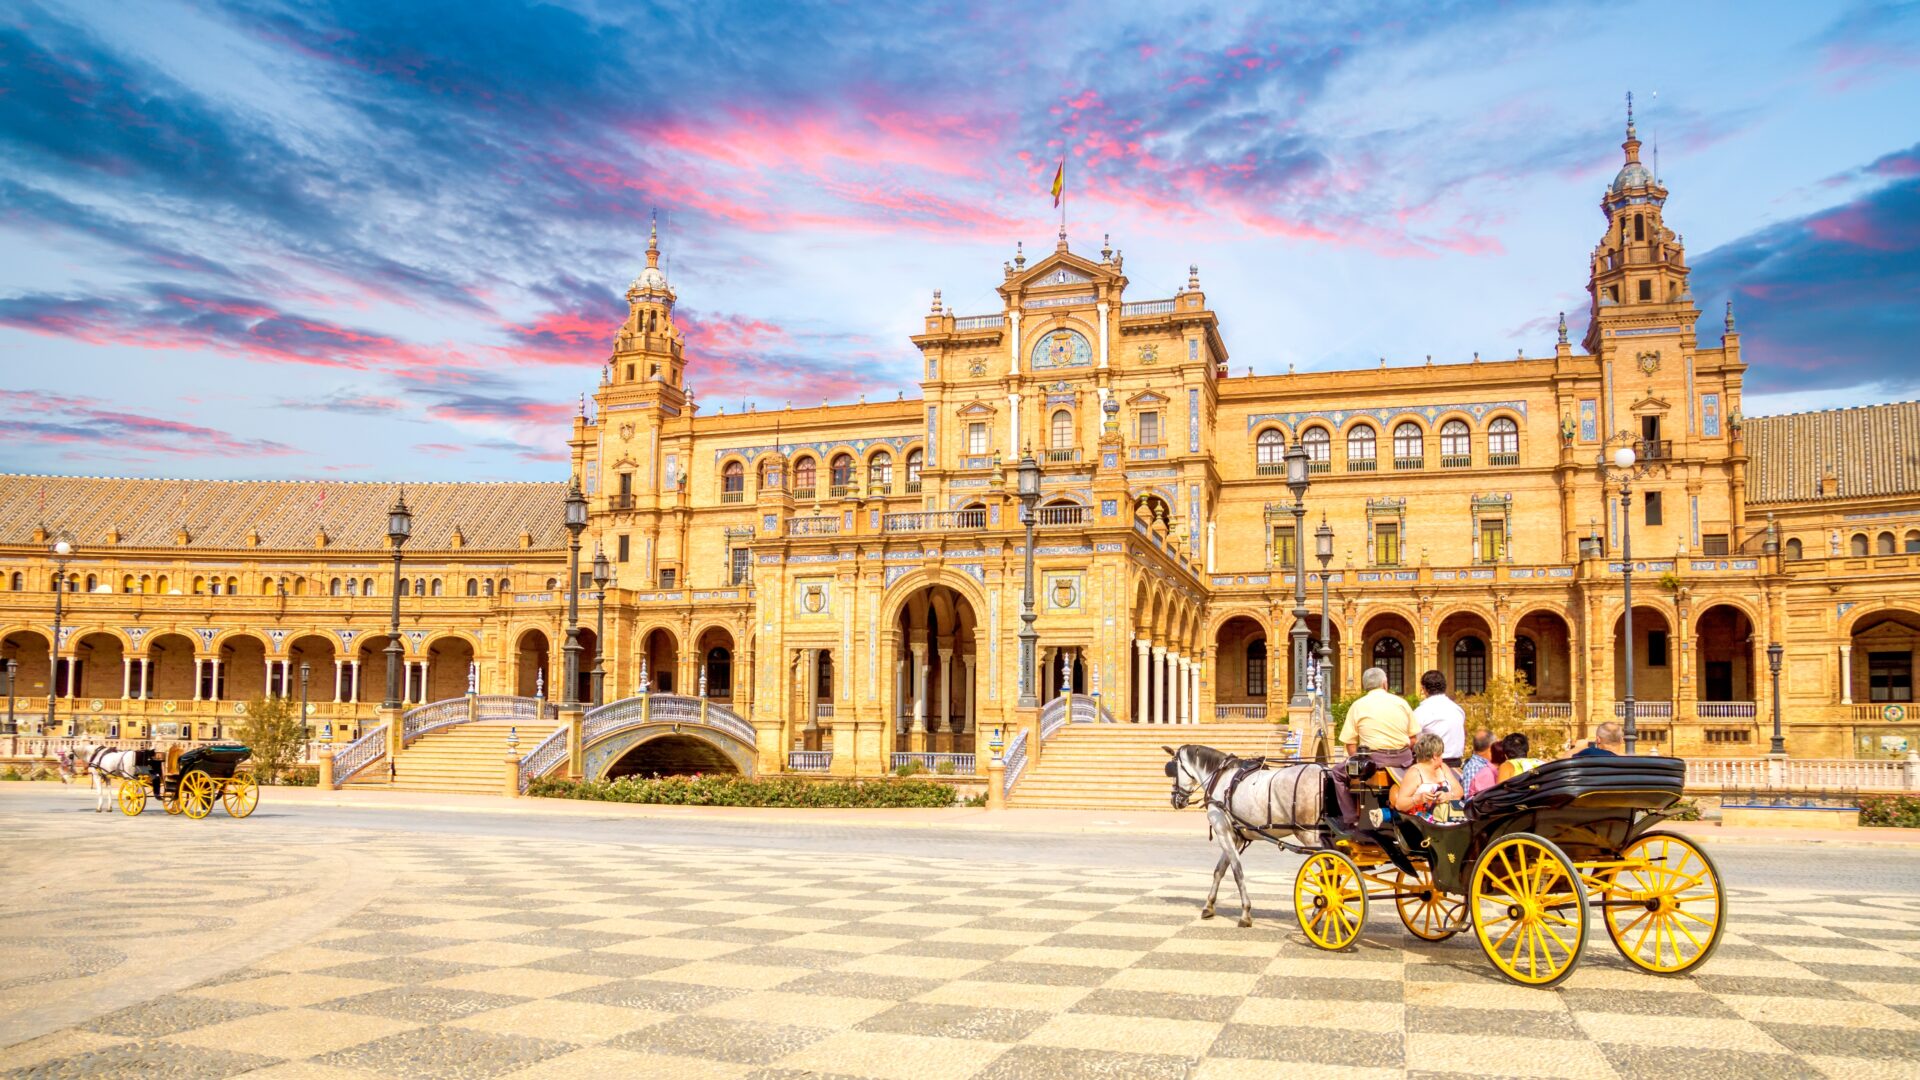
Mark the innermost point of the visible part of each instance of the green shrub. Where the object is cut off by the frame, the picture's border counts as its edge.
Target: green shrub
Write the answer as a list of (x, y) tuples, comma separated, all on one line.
[(975, 800), (773, 791), (11, 774), (275, 733), (945, 768), (907, 768), (1684, 810), (1890, 811)]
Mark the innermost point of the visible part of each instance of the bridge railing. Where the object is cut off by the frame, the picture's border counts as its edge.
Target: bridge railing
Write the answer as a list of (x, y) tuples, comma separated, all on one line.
[(1016, 763), (1071, 709), (353, 758), (546, 755), (1802, 774), (668, 708), (432, 716)]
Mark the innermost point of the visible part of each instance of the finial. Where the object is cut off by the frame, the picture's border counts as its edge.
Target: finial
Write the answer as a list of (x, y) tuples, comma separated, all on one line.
[(936, 301), (653, 239), (1729, 316), (1193, 277), (1019, 254), (1476, 356), (1429, 359), (1563, 328), (1106, 247), (1063, 236), (583, 405), (606, 374), (1630, 131)]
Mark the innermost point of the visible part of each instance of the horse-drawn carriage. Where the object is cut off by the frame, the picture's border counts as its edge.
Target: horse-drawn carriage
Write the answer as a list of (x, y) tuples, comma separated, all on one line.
[(1523, 869), (190, 781), (1532, 858)]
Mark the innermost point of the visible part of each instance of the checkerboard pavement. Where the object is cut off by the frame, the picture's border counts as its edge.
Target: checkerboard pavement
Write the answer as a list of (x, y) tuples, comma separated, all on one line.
[(526, 958)]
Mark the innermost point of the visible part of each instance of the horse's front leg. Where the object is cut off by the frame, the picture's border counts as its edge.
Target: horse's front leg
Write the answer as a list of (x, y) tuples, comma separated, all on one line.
[(1240, 881), (1213, 894), (99, 793)]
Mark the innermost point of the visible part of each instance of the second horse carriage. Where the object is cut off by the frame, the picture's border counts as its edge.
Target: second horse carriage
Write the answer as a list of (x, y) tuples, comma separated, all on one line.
[(190, 781)]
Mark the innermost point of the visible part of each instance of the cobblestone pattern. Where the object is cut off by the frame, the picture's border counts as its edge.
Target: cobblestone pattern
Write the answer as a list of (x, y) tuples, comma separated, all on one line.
[(522, 958)]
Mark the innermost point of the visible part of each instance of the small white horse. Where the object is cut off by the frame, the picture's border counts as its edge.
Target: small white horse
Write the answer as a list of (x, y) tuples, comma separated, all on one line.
[(1275, 801), (103, 766)]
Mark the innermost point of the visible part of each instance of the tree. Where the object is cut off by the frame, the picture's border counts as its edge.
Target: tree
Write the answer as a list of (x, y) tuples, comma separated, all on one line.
[(276, 734), (1502, 707)]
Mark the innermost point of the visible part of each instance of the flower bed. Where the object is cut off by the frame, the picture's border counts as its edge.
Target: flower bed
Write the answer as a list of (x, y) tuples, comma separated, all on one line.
[(777, 791), (1890, 811)]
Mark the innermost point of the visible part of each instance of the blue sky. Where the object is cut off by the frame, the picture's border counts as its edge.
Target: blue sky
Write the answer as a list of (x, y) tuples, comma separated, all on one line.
[(372, 240)]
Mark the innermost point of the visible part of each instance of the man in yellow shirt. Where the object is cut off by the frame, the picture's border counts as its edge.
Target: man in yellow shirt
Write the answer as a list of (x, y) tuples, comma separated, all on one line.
[(1380, 719)]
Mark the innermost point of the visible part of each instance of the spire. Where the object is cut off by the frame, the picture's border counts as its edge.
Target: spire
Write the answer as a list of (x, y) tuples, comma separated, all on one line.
[(1019, 255), (1563, 328), (1106, 247), (653, 239), (936, 301), (1729, 316), (1193, 277), (652, 282)]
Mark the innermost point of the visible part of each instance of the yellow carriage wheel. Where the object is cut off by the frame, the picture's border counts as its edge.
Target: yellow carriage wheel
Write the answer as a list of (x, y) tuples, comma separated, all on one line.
[(1664, 908), (172, 802), (197, 794), (1529, 909), (240, 794), (1430, 915), (1330, 900), (133, 796)]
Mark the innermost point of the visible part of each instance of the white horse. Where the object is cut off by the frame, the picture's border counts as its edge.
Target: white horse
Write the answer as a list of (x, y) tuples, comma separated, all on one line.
[(1244, 803), (103, 766)]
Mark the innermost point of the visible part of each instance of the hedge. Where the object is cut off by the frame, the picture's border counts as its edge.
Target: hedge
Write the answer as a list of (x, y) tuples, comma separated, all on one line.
[(1890, 811), (778, 791)]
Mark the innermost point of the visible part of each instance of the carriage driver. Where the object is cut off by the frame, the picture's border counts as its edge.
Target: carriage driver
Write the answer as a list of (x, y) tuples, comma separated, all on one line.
[(1380, 719)]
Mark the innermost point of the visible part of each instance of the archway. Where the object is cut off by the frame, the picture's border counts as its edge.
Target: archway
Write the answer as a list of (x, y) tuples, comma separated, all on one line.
[(316, 652), (715, 650), (98, 666), (1652, 656), (660, 653), (1886, 645), (1466, 646), (532, 666), (936, 662), (449, 659), (371, 657), (672, 755), (1543, 654), (1388, 645), (32, 651), (1240, 668), (1724, 651), (589, 652), (242, 674), (170, 660)]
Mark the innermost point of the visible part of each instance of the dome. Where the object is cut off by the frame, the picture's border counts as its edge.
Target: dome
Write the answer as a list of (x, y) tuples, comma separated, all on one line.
[(1631, 175), (652, 279)]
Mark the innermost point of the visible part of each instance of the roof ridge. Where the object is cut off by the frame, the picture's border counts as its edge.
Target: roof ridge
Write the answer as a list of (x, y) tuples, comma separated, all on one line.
[(1836, 409)]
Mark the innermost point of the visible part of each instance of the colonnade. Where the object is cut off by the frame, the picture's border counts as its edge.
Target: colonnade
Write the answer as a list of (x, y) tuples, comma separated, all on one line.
[(1166, 685), (911, 688)]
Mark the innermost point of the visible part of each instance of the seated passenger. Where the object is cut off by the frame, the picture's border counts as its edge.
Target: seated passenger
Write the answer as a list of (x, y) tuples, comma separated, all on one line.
[(1380, 719), (1516, 746), (1483, 765), (1429, 788), (1609, 740)]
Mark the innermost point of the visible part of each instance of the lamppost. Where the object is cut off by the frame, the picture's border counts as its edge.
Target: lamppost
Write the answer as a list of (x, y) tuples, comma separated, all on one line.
[(1774, 653), (61, 552), (1297, 482), (602, 574), (13, 668), (576, 507), (1623, 468), (1323, 551), (1029, 491), (399, 527), (306, 670)]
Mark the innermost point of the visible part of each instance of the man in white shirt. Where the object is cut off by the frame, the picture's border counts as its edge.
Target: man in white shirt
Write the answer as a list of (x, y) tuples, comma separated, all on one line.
[(1438, 714)]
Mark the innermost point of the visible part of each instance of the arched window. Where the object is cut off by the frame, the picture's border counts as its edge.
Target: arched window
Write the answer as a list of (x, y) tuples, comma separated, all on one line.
[(1062, 429), (473, 586), (419, 586), (1390, 656), (719, 672), (1883, 544), (880, 473), (804, 477), (160, 584), (19, 581), (1257, 668), (436, 587), (1408, 449), (1270, 448), (1859, 545), (1912, 541), (1318, 443), (842, 474), (486, 587), (1456, 443), (267, 586), (1362, 445), (1503, 437), (93, 581), (1526, 660), (505, 588), (353, 587), (406, 587), (333, 587), (1794, 551), (552, 583), (733, 482), (916, 458), (366, 587), (1469, 666), (770, 475)]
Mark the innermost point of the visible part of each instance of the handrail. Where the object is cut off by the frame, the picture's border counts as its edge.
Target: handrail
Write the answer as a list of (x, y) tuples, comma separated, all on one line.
[(353, 758), (809, 760), (962, 763), (546, 754), (421, 719), (1802, 774), (656, 708), (1016, 762), (933, 520), (1075, 514)]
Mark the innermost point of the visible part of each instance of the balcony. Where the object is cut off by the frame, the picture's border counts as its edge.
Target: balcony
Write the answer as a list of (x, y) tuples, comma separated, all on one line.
[(1549, 710), (1062, 515), (1362, 465), (933, 521), (733, 496), (1147, 307), (1726, 710), (913, 486), (1250, 711), (979, 322), (1319, 466), (881, 488), (1646, 710), (813, 526), (1456, 461), (1503, 459), (1401, 463), (1270, 468), (808, 492), (809, 761), (835, 491), (1067, 455), (622, 501), (1153, 452), (1654, 449)]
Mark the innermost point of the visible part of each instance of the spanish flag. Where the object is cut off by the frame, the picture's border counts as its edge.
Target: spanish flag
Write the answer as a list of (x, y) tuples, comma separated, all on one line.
[(1059, 181)]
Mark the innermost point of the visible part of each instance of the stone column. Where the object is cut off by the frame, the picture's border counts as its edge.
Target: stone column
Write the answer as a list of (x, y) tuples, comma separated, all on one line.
[(1846, 674), (946, 687), (1101, 309), (197, 661), (126, 677), (900, 691), (339, 678), (809, 689), (1142, 679), (1185, 675), (966, 717), (1193, 694), (1013, 420), (1013, 342), (919, 678), (353, 678), (1160, 684), (145, 678), (1174, 687)]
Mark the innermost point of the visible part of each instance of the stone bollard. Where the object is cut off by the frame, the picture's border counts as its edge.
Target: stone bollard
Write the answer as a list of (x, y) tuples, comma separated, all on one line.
[(325, 759), (511, 780), (997, 783)]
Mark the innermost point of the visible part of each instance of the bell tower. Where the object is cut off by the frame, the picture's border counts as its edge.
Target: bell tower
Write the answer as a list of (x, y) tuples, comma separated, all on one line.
[(1639, 274), (647, 352)]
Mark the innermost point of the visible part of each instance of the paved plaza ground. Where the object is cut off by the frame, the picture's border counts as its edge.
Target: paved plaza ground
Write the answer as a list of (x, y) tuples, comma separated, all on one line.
[(326, 938)]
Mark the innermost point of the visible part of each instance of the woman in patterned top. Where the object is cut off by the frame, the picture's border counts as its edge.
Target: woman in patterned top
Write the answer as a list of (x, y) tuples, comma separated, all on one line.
[(1428, 789)]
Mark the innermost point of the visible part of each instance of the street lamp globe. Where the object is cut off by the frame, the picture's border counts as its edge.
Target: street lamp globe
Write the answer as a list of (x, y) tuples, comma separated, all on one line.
[(1028, 475), (399, 521), (576, 508), (63, 549), (1323, 542), (1623, 458), (1297, 470), (602, 572), (1775, 652)]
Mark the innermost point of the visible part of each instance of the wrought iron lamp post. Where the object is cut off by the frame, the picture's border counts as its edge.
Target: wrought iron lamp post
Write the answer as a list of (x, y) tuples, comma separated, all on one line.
[(1298, 482), (399, 527), (1775, 652), (1029, 491), (13, 668), (61, 552), (1323, 551), (1623, 467), (602, 574), (306, 670), (576, 509)]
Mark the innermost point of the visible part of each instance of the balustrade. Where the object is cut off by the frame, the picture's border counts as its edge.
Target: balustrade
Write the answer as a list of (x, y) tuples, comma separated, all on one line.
[(957, 764), (1726, 710), (933, 520), (1063, 515), (813, 526), (1239, 711), (809, 761)]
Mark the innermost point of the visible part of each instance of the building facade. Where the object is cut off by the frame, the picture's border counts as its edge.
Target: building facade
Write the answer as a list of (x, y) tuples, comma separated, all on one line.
[(850, 578)]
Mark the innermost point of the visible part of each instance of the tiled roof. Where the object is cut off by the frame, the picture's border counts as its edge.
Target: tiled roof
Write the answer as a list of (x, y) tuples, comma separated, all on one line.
[(289, 514), (1868, 451)]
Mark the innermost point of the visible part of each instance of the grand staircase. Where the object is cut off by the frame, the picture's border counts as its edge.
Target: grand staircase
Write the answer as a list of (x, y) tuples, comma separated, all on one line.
[(1121, 766), (466, 758)]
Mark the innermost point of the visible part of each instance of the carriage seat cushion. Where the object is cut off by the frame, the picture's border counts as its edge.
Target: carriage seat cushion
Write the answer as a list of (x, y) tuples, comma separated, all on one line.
[(1644, 783)]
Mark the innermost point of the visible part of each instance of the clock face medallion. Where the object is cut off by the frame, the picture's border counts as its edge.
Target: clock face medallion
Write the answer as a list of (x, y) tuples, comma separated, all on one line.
[(1649, 362)]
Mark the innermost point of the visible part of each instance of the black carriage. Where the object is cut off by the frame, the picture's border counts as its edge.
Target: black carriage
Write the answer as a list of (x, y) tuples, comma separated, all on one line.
[(190, 781), (1523, 869)]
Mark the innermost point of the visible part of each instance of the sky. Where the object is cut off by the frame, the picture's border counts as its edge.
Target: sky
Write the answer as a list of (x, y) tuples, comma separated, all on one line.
[(375, 240)]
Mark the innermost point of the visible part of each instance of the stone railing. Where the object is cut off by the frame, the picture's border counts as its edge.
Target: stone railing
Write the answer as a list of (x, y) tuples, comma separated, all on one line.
[(811, 761), (1016, 762), (813, 526), (1062, 515), (510, 707), (1646, 710), (1726, 710), (979, 322), (1801, 774), (1147, 307), (958, 764), (1549, 710), (1071, 709), (545, 756), (933, 520), (353, 758), (662, 708), (421, 719), (1256, 710), (1891, 712)]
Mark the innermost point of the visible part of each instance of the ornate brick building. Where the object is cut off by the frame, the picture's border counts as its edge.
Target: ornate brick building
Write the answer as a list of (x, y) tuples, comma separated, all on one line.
[(848, 579)]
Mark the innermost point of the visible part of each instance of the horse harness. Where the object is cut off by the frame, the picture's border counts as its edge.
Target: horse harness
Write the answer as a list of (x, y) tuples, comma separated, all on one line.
[(1241, 768)]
